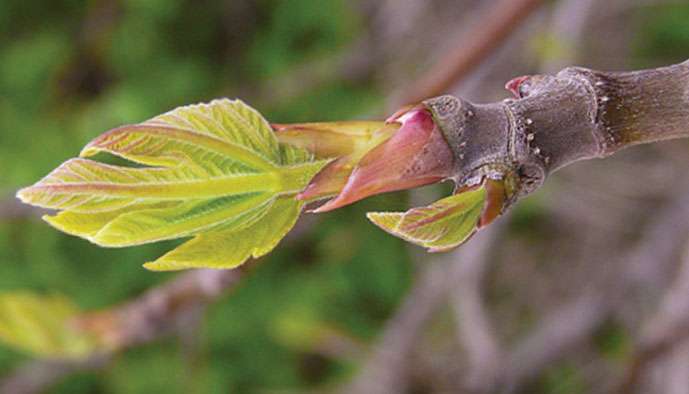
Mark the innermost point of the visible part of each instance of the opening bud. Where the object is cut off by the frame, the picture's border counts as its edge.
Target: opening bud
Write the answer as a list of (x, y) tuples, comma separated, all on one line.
[(415, 155)]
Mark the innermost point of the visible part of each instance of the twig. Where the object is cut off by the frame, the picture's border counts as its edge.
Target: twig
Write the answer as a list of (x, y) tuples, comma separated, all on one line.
[(36, 376), (552, 338), (138, 321), (472, 48), (677, 370), (146, 317), (474, 329), (11, 208), (385, 370)]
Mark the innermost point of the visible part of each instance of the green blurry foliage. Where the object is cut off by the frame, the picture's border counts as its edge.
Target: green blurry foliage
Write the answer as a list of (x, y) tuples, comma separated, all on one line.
[(43, 326), (298, 33), (63, 80), (62, 83), (614, 342), (561, 379), (664, 35)]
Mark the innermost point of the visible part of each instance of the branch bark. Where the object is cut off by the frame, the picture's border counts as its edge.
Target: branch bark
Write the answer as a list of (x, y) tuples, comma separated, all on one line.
[(559, 119), (150, 315), (135, 322)]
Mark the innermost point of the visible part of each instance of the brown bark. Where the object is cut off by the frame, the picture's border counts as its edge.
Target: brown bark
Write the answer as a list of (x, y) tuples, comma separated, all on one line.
[(489, 31), (559, 119), (146, 317)]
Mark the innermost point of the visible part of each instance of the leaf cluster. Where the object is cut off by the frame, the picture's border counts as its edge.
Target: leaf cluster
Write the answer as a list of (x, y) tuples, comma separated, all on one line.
[(215, 172)]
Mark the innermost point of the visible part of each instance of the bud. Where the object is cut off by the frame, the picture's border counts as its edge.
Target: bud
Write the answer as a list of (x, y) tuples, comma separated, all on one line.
[(515, 86), (348, 142), (416, 155)]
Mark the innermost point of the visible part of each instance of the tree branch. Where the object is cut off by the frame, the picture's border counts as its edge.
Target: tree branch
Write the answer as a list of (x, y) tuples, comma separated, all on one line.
[(496, 24), (559, 119), (475, 330), (138, 321), (151, 314), (386, 369)]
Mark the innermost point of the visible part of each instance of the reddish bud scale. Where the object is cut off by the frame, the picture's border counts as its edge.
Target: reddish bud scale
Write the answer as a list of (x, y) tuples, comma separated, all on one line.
[(515, 85), (416, 155), (495, 201)]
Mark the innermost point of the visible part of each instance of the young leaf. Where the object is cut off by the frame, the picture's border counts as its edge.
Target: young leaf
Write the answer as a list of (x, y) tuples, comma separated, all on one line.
[(440, 226), (207, 168), (231, 246), (42, 325), (349, 142)]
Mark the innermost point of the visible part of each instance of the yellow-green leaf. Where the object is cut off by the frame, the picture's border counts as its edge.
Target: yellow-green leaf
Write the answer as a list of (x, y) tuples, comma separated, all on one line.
[(440, 226), (42, 325), (335, 139), (230, 247), (206, 168)]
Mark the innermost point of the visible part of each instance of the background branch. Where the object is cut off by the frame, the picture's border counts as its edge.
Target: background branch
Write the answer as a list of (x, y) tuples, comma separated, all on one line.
[(572, 324), (597, 245), (138, 321), (475, 330), (470, 47)]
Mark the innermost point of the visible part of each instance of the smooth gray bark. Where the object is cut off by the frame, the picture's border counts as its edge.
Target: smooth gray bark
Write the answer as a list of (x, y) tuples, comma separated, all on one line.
[(559, 119)]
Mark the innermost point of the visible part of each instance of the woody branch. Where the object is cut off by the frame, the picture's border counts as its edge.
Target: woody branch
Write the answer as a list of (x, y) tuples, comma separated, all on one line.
[(559, 119)]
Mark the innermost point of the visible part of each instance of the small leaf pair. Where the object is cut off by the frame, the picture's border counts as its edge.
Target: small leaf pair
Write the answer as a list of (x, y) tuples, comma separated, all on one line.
[(415, 154), (447, 223)]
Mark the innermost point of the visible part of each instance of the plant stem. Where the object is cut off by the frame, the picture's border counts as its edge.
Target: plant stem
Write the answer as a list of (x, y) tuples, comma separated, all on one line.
[(559, 119)]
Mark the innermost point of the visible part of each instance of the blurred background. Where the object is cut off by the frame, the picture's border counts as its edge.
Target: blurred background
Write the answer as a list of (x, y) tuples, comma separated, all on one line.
[(580, 289)]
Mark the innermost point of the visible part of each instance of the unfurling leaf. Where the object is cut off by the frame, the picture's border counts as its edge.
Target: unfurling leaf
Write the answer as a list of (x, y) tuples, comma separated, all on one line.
[(416, 155), (440, 226), (213, 171), (43, 326), (221, 175), (234, 244), (349, 142)]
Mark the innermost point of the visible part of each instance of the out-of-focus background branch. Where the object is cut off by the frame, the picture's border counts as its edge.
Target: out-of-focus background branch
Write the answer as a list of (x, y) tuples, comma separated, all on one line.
[(581, 289)]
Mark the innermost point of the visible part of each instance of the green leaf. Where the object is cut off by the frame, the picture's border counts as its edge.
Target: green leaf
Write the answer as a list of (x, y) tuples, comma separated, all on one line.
[(443, 225), (42, 325), (231, 246), (200, 169)]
